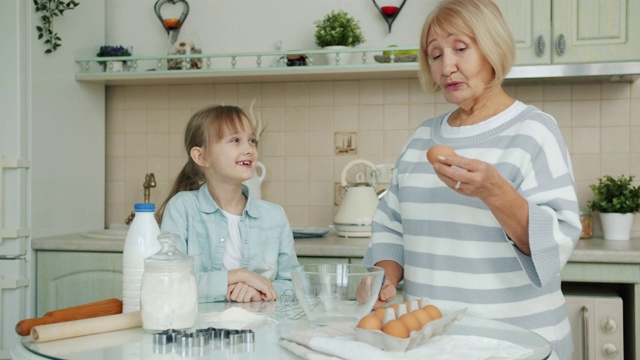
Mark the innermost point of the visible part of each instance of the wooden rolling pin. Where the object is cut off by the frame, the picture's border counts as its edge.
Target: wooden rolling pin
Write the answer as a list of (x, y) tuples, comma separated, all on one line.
[(82, 327), (84, 311)]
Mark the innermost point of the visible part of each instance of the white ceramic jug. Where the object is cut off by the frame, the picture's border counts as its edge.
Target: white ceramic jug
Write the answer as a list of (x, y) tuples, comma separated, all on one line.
[(255, 183)]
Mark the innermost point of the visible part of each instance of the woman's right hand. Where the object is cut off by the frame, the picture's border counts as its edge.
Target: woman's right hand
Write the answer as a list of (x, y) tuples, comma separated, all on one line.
[(387, 294), (393, 273), (254, 280)]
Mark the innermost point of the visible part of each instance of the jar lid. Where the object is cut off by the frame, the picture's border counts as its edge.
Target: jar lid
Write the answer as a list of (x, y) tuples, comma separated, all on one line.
[(169, 252)]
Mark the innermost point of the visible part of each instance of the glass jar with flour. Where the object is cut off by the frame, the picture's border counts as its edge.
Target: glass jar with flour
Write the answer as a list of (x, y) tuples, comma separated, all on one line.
[(169, 294)]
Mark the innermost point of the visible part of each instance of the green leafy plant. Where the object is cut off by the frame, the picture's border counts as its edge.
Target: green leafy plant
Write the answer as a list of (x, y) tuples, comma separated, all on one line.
[(51, 9), (613, 195), (338, 28), (112, 51)]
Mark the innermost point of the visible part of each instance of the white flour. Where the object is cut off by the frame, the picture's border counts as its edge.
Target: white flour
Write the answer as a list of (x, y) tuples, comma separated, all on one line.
[(232, 318), (169, 301)]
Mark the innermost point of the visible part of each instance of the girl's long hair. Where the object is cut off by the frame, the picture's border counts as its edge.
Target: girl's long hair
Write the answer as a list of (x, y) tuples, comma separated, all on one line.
[(207, 125)]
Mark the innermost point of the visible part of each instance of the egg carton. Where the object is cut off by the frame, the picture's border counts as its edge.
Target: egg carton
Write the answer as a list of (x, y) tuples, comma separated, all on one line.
[(416, 338)]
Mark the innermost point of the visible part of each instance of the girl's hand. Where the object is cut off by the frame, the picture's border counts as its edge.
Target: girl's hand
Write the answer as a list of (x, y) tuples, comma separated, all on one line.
[(255, 281), (242, 292)]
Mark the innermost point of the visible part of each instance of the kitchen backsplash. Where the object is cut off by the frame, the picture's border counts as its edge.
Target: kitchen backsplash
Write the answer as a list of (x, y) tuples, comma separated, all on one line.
[(313, 129)]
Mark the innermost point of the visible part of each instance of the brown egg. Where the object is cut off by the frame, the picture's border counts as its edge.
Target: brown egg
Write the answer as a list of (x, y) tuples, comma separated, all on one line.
[(411, 322), (370, 322), (379, 313), (433, 311), (396, 328), (439, 150), (422, 315)]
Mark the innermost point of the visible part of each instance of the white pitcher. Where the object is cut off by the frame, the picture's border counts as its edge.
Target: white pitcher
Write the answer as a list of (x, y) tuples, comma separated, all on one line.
[(255, 183)]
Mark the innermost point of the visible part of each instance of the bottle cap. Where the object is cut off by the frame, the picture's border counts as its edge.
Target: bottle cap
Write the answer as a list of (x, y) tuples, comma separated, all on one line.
[(144, 207)]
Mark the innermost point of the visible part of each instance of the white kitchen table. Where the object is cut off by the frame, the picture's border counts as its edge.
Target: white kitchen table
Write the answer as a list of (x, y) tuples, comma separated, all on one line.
[(136, 344)]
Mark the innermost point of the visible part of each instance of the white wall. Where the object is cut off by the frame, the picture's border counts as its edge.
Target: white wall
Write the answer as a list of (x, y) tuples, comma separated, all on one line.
[(255, 25), (67, 131)]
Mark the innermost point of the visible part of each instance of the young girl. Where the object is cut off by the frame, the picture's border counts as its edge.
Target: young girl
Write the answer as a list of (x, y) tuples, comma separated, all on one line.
[(243, 246)]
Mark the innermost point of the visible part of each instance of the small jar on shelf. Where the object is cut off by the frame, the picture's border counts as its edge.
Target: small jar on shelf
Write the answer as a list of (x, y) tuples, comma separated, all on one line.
[(187, 43), (587, 224)]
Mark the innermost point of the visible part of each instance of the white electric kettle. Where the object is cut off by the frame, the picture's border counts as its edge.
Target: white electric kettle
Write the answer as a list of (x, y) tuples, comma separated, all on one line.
[(355, 213)]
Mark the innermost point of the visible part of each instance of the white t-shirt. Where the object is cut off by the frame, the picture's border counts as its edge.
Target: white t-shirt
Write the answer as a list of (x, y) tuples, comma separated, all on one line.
[(233, 250)]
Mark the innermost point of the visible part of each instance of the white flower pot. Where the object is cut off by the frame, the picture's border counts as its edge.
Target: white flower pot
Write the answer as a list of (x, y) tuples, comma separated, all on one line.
[(114, 66), (337, 58), (616, 226)]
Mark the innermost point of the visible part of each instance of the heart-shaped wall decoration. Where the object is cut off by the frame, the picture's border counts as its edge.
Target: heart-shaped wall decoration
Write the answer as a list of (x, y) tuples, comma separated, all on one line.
[(172, 23), (389, 9)]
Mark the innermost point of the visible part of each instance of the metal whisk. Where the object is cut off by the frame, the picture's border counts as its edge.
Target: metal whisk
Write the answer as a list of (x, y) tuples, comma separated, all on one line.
[(291, 307)]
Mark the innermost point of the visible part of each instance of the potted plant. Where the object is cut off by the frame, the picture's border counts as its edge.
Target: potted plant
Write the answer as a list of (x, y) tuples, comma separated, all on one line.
[(113, 51), (338, 30), (617, 200)]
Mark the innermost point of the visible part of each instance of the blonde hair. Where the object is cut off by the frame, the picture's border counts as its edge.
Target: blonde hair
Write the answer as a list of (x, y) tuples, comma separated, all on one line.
[(207, 125), (482, 21)]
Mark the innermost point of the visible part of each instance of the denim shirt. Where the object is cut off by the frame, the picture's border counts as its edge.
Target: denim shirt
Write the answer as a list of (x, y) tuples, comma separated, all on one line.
[(264, 229)]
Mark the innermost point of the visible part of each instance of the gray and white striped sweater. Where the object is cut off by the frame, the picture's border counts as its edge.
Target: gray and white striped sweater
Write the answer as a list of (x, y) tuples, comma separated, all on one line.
[(453, 249)]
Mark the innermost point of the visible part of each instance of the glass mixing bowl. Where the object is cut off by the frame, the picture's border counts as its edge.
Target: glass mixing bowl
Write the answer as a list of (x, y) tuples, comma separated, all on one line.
[(331, 293)]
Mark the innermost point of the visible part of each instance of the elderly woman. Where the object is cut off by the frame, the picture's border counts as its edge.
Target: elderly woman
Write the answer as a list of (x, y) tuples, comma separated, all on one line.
[(490, 227)]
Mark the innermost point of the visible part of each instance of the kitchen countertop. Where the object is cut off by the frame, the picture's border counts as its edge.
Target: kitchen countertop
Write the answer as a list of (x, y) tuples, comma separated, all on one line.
[(593, 261), (587, 251), (136, 344)]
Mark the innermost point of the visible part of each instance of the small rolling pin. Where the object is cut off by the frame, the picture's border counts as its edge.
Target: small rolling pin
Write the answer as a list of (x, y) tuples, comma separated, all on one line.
[(84, 311)]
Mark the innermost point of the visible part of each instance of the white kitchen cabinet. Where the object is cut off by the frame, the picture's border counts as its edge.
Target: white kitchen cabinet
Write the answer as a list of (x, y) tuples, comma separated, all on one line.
[(573, 31), (67, 278), (530, 22), (596, 31)]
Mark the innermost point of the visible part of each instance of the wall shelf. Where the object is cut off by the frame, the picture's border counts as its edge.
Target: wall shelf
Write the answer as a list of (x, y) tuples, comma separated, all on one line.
[(276, 74), (248, 67), (270, 67)]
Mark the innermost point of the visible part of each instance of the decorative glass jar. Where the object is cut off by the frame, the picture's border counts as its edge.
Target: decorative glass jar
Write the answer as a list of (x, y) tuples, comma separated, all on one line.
[(169, 294)]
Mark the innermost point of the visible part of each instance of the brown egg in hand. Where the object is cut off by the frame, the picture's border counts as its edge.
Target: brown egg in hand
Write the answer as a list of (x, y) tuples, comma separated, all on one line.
[(370, 322), (439, 150)]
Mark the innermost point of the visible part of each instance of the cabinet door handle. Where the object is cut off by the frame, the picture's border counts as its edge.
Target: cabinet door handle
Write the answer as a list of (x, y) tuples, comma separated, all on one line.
[(561, 44), (585, 333), (540, 45)]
